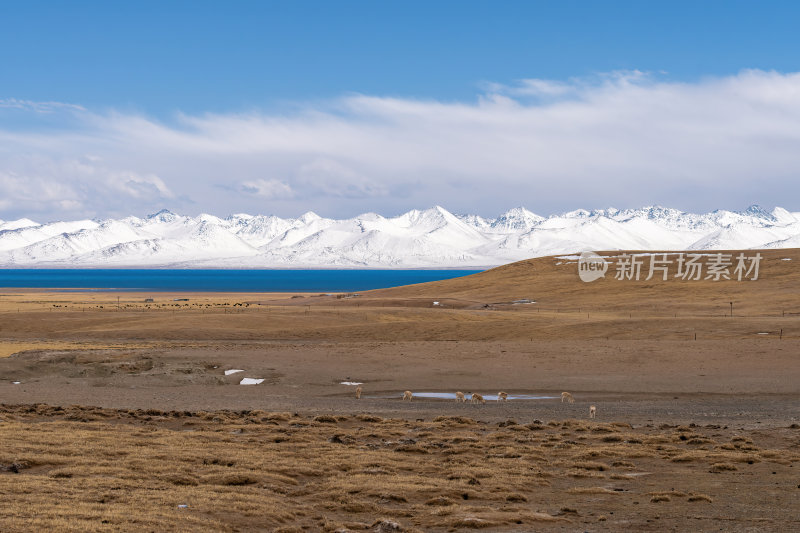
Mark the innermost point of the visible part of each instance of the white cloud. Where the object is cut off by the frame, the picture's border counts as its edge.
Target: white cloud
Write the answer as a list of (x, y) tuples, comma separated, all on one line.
[(139, 186), (78, 187), (269, 189), (623, 138), (329, 178), (37, 195), (38, 107)]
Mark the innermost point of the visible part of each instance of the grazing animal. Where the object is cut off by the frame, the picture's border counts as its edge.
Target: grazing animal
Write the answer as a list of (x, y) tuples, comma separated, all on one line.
[(408, 396), (502, 396), (592, 411), (358, 393), (460, 397), (565, 396), (476, 398)]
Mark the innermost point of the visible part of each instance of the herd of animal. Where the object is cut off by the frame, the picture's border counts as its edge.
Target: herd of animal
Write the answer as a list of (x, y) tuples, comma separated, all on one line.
[(477, 398)]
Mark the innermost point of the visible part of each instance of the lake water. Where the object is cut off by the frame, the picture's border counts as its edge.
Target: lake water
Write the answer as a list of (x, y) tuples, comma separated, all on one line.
[(220, 280)]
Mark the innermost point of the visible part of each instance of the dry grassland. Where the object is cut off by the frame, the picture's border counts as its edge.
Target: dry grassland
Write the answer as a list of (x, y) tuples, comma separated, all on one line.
[(174, 431), (92, 469)]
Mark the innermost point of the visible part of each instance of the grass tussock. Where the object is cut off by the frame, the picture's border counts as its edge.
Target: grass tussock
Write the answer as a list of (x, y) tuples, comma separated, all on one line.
[(277, 417), (462, 420), (372, 419), (723, 467), (591, 490), (472, 522), (591, 465), (687, 458)]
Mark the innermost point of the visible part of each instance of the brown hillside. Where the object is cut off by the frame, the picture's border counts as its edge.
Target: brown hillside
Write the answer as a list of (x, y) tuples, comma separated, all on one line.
[(553, 283)]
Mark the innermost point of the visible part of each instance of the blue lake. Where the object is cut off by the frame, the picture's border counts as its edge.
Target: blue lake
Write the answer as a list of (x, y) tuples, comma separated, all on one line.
[(220, 280)]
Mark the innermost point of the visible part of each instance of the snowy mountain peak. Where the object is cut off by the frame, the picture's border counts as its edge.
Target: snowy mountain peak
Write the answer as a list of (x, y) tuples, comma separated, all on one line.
[(655, 212), (441, 213), (519, 213), (756, 211), (210, 219), (476, 221), (370, 217), (517, 218), (433, 217), (309, 217), (433, 237), (18, 224), (782, 216), (578, 213), (165, 215), (436, 213)]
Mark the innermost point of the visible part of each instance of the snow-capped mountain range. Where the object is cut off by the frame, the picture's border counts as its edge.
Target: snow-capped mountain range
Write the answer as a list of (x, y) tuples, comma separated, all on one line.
[(433, 238)]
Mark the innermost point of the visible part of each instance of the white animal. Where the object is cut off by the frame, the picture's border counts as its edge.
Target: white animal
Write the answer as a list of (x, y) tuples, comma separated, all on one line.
[(460, 397), (408, 396), (358, 392), (592, 411), (565, 396), (476, 398), (502, 396)]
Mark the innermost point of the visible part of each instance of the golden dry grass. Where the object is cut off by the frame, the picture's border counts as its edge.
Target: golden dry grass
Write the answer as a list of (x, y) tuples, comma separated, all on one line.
[(92, 469), (8, 348), (553, 283)]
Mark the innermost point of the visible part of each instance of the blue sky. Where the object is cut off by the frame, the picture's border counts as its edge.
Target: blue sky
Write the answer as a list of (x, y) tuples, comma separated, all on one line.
[(85, 87), (201, 56)]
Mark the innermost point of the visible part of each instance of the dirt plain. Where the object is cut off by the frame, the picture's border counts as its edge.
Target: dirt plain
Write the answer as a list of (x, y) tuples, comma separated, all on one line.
[(117, 410)]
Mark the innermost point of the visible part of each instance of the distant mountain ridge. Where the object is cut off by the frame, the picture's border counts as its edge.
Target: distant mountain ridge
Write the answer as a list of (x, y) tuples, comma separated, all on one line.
[(430, 238)]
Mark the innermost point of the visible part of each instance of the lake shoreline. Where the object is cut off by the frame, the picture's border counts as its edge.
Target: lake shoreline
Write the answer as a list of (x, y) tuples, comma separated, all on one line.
[(220, 280)]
